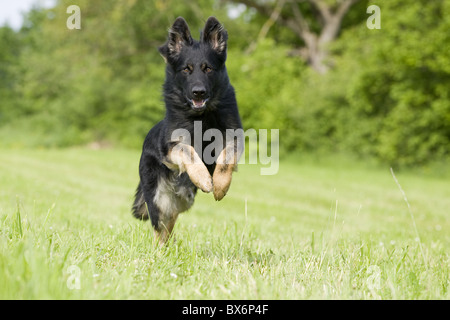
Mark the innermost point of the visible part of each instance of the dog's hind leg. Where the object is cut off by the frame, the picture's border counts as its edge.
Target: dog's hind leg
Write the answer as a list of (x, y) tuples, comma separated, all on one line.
[(172, 197), (163, 217), (165, 229)]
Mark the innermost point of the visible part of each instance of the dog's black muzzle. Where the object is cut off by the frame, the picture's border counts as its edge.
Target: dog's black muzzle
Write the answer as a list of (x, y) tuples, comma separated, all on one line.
[(199, 98)]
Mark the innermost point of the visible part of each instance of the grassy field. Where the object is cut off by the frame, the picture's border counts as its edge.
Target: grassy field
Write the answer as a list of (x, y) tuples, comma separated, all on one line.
[(319, 229)]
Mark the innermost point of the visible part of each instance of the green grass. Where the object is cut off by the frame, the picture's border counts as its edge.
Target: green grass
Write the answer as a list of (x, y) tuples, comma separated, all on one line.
[(319, 229)]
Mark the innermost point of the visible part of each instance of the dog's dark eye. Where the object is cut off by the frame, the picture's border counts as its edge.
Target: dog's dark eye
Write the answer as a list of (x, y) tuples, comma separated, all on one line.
[(208, 69), (186, 70)]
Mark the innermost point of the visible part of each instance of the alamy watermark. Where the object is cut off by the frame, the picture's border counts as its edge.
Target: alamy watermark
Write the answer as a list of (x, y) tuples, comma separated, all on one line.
[(374, 21), (235, 144), (73, 21), (74, 280), (373, 281)]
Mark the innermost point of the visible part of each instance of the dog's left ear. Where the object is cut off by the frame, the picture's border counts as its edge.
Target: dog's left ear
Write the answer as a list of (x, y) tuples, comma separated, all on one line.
[(215, 35)]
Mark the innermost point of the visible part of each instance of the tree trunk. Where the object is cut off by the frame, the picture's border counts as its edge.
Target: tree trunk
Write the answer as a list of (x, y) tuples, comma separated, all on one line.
[(315, 51)]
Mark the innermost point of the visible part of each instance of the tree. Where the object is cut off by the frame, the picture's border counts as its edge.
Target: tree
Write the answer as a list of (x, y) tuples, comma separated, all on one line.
[(316, 23), (10, 46)]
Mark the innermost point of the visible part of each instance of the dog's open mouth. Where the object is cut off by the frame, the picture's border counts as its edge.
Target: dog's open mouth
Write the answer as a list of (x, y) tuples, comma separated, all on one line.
[(198, 105)]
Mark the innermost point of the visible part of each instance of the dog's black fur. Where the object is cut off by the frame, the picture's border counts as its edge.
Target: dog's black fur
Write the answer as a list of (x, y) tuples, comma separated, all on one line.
[(197, 88)]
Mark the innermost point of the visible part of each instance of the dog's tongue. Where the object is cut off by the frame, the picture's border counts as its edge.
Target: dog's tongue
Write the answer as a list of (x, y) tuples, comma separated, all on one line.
[(199, 103)]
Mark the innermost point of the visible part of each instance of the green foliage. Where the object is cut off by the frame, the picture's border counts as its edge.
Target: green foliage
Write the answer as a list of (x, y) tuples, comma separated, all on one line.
[(266, 82), (385, 97), (400, 94), (10, 47)]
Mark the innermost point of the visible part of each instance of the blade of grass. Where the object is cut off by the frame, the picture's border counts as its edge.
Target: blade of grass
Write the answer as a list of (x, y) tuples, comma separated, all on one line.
[(412, 217)]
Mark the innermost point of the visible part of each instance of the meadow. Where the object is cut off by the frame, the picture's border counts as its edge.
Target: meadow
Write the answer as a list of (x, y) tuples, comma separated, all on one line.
[(322, 228)]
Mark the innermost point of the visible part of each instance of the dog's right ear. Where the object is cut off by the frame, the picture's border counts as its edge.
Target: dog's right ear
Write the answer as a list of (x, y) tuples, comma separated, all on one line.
[(179, 36)]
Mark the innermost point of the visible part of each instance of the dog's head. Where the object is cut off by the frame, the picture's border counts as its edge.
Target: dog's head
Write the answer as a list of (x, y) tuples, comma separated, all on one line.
[(196, 68)]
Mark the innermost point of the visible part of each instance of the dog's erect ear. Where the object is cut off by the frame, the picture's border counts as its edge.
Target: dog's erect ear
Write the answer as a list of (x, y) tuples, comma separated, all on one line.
[(215, 35), (179, 36)]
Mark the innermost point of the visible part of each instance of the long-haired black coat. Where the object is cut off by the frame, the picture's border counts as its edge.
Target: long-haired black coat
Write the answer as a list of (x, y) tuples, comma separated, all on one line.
[(198, 97)]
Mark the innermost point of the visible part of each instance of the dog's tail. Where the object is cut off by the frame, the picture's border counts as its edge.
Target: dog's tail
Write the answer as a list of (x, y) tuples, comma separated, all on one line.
[(139, 208)]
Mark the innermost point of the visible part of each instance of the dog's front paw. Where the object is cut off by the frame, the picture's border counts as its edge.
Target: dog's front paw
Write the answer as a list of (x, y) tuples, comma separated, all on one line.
[(206, 185), (221, 180), (200, 177)]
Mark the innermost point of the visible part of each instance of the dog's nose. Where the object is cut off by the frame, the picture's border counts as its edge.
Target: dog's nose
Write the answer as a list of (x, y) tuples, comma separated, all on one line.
[(199, 92)]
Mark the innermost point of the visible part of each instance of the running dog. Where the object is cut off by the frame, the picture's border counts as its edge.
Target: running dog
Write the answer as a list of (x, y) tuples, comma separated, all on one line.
[(197, 93)]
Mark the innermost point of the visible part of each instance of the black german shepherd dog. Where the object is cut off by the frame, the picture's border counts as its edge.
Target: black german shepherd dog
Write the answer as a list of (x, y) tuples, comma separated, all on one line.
[(196, 90)]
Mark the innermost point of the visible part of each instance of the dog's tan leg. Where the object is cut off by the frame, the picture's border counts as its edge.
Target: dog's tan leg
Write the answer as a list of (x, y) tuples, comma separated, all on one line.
[(165, 230), (185, 158), (225, 165)]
